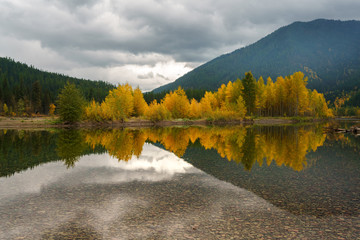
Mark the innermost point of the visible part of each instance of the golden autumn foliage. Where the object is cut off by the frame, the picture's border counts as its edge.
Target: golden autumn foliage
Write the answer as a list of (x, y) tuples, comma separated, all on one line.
[(5, 109), (195, 109), (52, 108), (177, 103), (93, 111), (140, 106), (286, 97), (289, 97), (207, 104), (119, 104), (156, 112)]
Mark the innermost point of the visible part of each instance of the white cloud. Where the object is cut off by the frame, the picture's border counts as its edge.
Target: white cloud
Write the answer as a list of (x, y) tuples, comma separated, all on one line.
[(117, 40), (147, 77)]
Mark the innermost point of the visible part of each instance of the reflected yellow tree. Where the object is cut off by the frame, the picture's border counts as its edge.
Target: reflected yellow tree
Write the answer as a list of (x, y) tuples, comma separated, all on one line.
[(121, 144)]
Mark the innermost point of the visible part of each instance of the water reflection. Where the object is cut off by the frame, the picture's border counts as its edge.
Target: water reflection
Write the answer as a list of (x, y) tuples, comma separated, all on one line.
[(154, 164), (299, 169), (23, 149), (70, 146), (287, 146)]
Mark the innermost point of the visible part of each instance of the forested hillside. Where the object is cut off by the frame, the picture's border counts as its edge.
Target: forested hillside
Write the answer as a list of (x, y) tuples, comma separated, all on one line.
[(327, 51), (26, 89)]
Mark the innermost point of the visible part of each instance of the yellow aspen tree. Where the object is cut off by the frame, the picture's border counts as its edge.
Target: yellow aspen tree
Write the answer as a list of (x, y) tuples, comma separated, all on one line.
[(183, 104), (319, 106), (206, 104), (269, 96), (5, 109), (229, 92), (260, 96), (299, 93), (93, 111), (139, 103), (195, 109), (177, 103), (220, 96), (169, 101), (119, 104), (52, 108), (241, 108), (280, 96), (157, 112)]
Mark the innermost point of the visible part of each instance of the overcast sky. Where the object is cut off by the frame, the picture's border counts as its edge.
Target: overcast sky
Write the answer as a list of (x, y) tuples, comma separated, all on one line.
[(145, 43)]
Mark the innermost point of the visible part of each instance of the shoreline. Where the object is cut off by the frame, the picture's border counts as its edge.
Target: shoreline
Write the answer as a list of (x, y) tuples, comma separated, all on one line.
[(52, 122)]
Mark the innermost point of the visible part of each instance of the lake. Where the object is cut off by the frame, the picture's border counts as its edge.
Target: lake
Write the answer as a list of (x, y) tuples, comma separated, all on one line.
[(250, 182)]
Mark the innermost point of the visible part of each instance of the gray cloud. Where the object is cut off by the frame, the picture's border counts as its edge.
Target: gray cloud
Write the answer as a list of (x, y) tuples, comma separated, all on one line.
[(163, 77), (108, 34), (146, 76)]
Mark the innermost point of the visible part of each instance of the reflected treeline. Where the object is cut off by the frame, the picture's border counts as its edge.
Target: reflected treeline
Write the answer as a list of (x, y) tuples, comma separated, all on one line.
[(286, 146), (20, 150), (120, 143), (23, 149), (346, 141)]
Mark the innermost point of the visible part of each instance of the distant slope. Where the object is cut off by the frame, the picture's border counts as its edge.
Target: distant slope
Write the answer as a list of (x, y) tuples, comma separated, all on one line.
[(17, 82), (327, 51)]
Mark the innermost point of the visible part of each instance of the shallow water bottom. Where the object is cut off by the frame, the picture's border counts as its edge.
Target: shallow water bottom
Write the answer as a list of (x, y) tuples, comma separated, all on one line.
[(191, 205)]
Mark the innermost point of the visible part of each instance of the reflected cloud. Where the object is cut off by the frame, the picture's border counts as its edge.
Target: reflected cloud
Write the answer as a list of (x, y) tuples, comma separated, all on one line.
[(152, 158), (154, 164)]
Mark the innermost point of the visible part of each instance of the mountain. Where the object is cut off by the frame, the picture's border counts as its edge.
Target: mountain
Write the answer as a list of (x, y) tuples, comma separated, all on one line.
[(19, 81), (327, 51)]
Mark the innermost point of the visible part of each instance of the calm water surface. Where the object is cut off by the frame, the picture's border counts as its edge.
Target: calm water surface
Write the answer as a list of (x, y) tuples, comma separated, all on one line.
[(256, 182)]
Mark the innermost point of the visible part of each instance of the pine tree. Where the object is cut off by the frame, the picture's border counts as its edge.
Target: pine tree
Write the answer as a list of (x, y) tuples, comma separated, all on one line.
[(70, 103), (260, 96), (249, 92), (36, 96), (6, 92)]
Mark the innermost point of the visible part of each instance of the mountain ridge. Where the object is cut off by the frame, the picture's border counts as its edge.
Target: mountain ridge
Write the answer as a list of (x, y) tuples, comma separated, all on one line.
[(327, 51)]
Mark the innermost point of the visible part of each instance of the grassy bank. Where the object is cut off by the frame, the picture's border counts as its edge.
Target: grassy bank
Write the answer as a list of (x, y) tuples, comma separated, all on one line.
[(28, 122), (285, 120), (47, 121)]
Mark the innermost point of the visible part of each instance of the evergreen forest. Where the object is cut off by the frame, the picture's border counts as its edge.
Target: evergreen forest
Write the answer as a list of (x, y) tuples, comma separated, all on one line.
[(25, 90)]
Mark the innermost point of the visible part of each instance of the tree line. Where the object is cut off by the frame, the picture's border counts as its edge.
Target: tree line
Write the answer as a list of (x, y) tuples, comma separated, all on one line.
[(246, 97)]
